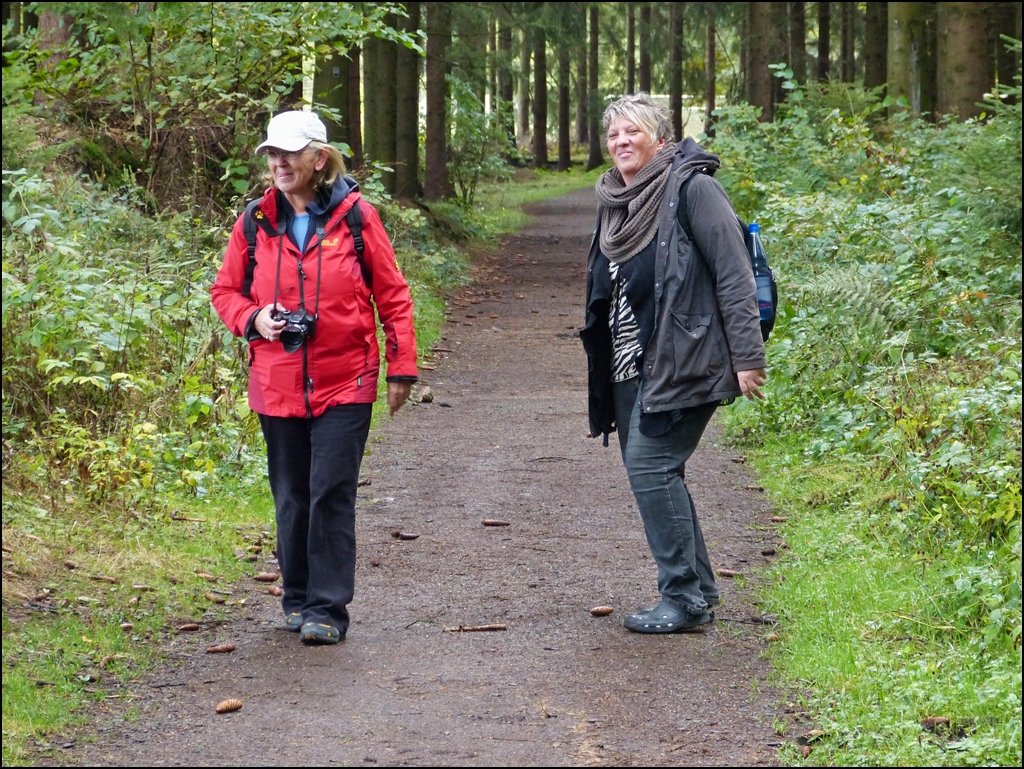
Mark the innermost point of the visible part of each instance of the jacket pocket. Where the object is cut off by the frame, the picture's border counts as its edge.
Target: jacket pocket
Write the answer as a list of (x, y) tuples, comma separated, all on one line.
[(696, 354)]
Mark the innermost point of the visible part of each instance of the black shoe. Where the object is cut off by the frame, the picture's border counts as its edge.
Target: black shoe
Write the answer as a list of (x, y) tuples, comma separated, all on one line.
[(667, 618), (293, 622), (316, 633)]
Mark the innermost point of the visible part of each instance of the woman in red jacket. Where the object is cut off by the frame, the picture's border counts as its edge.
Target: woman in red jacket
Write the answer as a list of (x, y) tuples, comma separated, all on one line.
[(305, 305)]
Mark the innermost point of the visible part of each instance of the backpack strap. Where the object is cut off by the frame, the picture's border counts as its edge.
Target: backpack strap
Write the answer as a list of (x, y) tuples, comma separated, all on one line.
[(354, 220), (249, 228), (251, 219)]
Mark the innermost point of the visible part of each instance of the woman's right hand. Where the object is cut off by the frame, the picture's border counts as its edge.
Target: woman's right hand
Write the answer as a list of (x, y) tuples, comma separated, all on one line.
[(265, 324)]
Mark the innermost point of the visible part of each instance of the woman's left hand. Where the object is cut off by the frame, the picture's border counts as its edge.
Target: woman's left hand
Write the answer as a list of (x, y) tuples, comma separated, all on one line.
[(398, 394), (751, 381)]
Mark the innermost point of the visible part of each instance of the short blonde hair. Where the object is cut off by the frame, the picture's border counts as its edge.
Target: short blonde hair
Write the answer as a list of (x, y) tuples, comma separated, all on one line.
[(641, 110), (326, 176)]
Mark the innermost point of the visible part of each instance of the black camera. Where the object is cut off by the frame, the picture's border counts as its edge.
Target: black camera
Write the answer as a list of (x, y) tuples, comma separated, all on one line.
[(300, 325)]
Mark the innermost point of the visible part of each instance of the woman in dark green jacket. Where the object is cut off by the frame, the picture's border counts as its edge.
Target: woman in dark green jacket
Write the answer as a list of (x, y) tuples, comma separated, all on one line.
[(672, 330)]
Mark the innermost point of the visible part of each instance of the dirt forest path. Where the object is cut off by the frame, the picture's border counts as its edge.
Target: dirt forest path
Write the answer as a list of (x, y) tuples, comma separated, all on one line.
[(504, 438)]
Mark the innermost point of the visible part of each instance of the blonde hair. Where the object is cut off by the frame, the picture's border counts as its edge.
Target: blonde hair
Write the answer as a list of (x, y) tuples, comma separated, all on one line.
[(333, 168), (326, 176), (641, 110)]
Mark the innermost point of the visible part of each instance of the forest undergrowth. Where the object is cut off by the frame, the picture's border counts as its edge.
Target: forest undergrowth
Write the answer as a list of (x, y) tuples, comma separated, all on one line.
[(890, 441)]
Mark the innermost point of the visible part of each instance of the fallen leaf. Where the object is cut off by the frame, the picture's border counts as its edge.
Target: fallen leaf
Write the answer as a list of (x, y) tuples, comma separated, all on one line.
[(220, 649), (228, 706), (602, 611)]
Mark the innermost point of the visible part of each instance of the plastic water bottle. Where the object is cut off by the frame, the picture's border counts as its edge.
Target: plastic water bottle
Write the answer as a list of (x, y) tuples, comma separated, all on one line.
[(762, 275)]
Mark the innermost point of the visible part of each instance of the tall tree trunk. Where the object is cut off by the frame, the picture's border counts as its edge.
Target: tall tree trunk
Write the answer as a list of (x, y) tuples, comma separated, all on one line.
[(847, 65), (910, 70), (709, 69), (1004, 22), (355, 120), (12, 13), (876, 36), (595, 156), (759, 78), (407, 112), (778, 48), (798, 41), (645, 47), (387, 114), (439, 39), (371, 104), (525, 83), (506, 85), (330, 87), (540, 99), (824, 41), (675, 68), (582, 124), (630, 48), (493, 59), (564, 146), (963, 56)]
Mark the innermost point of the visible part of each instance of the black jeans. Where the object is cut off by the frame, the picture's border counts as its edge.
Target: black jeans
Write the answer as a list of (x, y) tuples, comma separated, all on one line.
[(313, 466), (657, 472)]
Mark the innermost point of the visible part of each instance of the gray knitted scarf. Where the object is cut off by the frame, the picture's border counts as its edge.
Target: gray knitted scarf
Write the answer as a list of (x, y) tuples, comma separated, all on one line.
[(629, 214)]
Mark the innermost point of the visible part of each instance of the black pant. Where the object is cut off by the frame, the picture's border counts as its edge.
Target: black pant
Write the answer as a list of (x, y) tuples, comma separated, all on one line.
[(313, 466)]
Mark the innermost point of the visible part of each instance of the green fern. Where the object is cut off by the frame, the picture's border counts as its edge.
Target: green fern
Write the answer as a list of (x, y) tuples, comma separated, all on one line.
[(856, 301)]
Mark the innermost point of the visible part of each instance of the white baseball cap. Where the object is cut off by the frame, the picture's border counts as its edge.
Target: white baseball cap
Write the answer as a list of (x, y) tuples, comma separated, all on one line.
[(291, 131)]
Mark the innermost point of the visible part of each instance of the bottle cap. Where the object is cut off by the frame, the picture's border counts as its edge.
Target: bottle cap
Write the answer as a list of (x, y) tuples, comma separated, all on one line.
[(754, 227)]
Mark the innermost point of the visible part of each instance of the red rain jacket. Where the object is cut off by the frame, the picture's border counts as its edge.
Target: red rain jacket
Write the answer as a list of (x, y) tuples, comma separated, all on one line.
[(343, 358)]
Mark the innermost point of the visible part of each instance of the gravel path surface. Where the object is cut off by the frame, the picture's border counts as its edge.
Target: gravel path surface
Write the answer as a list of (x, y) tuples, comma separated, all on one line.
[(504, 438)]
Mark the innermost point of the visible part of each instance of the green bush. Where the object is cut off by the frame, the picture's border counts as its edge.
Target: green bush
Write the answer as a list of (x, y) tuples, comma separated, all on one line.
[(892, 430)]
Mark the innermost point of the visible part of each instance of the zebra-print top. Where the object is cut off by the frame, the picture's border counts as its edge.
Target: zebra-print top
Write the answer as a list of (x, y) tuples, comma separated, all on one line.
[(625, 331)]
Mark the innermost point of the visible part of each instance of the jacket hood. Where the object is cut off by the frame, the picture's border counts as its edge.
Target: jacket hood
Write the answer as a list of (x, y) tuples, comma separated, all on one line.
[(691, 155), (327, 199)]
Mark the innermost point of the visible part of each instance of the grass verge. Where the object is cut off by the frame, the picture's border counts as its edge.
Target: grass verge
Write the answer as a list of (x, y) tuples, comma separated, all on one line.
[(89, 598), (870, 648)]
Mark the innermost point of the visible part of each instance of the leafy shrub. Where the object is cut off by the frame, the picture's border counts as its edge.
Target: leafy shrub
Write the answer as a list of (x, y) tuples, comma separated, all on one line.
[(893, 417)]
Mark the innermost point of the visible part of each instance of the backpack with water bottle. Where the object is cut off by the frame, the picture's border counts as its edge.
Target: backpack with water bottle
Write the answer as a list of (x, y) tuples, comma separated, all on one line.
[(764, 275)]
